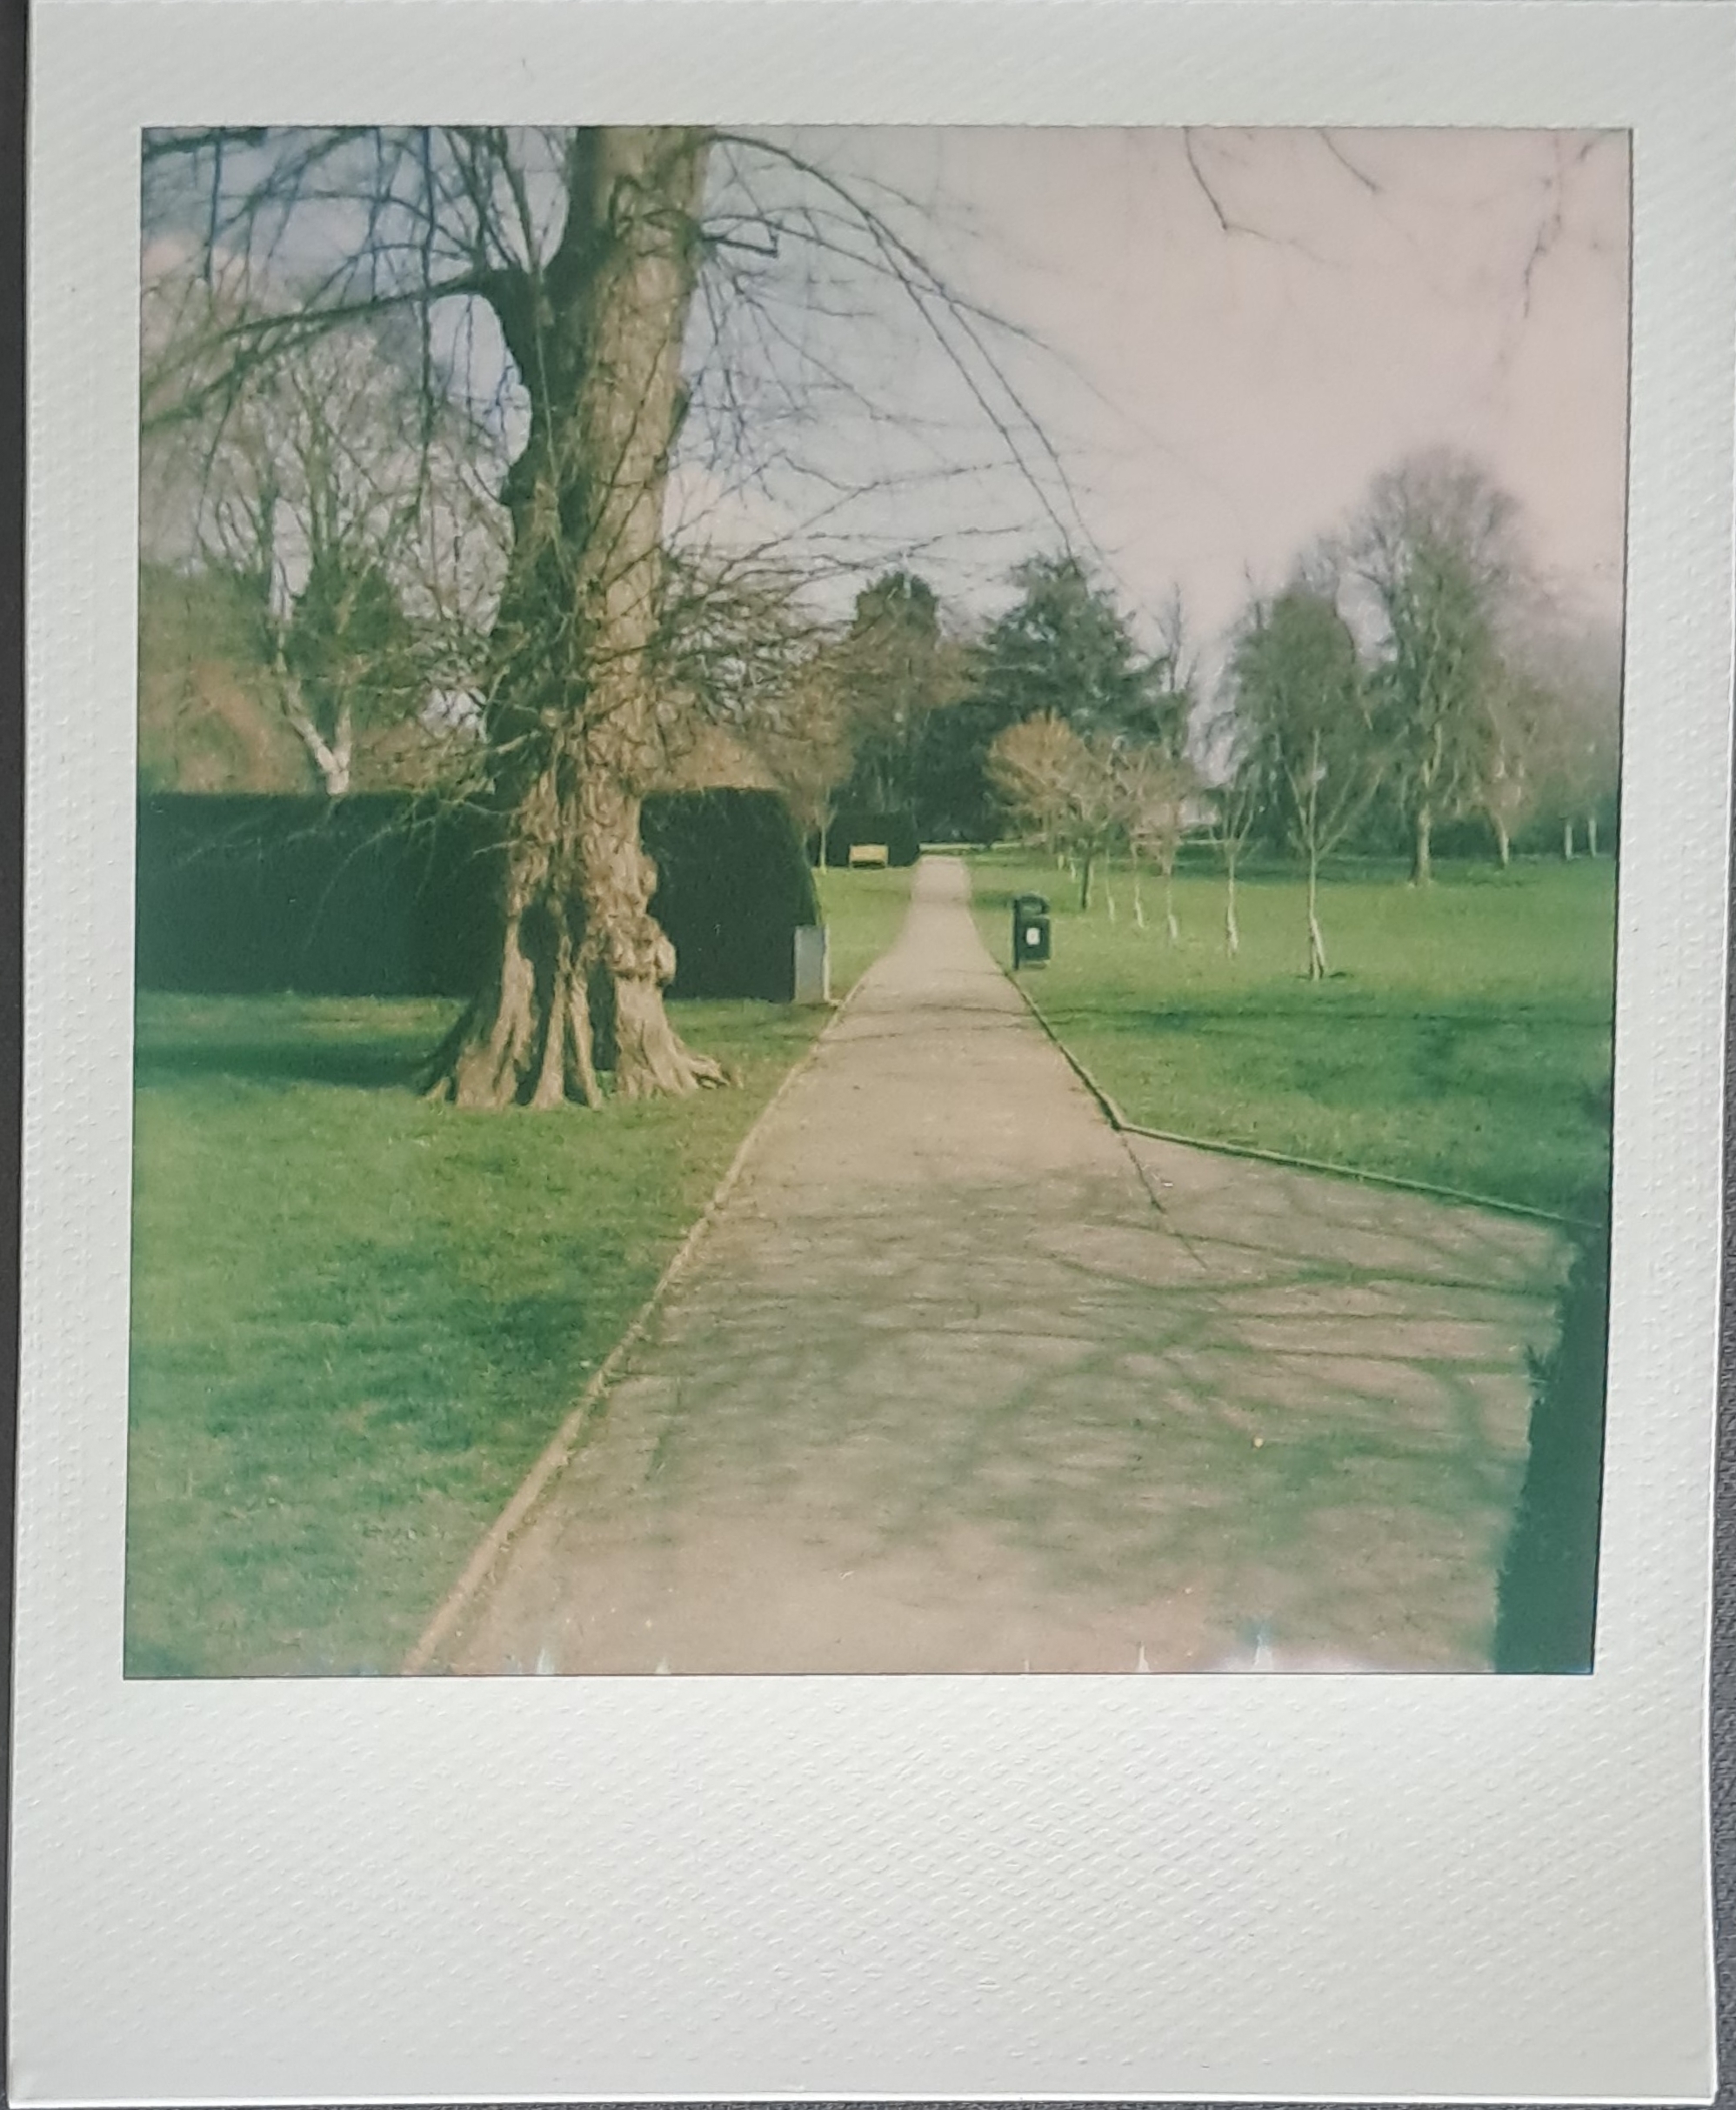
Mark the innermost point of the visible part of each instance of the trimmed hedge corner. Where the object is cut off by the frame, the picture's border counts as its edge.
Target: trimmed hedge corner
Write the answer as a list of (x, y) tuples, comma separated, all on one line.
[(897, 830), (381, 895), (734, 886), (1548, 1599)]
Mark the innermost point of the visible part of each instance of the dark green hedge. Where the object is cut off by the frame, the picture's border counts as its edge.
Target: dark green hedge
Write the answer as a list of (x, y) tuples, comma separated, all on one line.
[(1547, 1604), (733, 884), (897, 830), (362, 895), (376, 895)]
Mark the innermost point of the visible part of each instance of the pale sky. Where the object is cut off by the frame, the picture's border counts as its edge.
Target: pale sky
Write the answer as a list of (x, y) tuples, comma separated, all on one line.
[(1221, 397), (1215, 340)]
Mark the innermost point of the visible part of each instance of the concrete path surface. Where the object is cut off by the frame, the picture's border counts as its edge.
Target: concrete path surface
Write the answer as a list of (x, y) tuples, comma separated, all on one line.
[(958, 1382)]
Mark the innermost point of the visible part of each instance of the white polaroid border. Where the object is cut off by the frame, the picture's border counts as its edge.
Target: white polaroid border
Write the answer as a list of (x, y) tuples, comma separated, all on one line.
[(1358, 1888)]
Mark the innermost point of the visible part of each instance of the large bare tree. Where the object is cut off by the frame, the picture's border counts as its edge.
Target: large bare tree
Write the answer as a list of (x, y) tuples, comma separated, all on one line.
[(1438, 550), (600, 260), (599, 321)]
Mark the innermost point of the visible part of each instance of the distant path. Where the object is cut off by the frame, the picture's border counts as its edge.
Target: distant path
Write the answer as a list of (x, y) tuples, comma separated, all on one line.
[(954, 1384)]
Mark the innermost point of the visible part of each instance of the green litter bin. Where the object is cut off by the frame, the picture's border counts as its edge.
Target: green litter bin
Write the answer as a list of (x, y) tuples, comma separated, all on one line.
[(1030, 931)]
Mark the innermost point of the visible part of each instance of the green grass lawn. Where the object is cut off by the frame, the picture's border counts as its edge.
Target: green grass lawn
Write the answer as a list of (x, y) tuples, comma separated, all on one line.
[(357, 1318), (1463, 1038), (865, 911)]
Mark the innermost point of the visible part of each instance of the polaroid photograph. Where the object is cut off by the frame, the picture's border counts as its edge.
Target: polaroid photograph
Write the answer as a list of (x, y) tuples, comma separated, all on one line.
[(877, 872)]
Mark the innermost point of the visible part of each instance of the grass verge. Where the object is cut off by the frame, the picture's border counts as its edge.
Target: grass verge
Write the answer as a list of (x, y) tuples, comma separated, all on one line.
[(1463, 1039), (357, 1318), (864, 911)]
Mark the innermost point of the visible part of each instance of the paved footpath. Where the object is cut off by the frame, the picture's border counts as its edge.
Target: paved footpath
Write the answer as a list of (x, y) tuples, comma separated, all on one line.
[(958, 1381)]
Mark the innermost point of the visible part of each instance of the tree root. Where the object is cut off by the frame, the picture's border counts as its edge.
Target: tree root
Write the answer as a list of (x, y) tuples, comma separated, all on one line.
[(651, 1061), (518, 1046)]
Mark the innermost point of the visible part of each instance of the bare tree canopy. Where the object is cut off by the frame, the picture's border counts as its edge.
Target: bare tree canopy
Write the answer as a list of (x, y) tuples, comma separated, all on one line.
[(647, 290), (1438, 549), (354, 519)]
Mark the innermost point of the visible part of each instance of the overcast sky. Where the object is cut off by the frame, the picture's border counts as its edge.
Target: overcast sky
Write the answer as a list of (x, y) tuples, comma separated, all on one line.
[(1213, 341), (1219, 395)]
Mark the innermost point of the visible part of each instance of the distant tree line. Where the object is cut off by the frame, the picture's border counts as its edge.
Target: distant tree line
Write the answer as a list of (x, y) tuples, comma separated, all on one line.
[(1411, 684), (1413, 676)]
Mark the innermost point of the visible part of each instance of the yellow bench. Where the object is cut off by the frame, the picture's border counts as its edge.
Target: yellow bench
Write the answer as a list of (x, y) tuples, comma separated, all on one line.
[(868, 853)]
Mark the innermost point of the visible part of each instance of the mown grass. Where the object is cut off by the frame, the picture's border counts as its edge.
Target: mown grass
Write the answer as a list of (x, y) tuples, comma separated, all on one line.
[(1463, 1038), (358, 1319), (864, 911)]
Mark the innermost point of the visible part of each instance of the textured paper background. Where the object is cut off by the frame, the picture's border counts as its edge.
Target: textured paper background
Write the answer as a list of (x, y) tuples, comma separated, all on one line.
[(1277, 1887)]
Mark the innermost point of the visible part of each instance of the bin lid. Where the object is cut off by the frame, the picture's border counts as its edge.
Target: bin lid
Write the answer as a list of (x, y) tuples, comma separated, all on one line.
[(1030, 905)]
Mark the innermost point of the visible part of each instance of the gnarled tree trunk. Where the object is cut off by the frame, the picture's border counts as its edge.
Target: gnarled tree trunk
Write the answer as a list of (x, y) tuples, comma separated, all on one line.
[(572, 733)]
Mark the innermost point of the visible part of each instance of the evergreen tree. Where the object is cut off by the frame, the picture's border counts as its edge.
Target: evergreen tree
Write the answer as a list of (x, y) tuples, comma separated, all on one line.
[(1063, 651)]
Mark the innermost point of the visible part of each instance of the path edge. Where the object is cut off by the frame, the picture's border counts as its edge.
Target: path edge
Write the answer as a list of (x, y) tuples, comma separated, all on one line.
[(1123, 1126), (568, 1438)]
